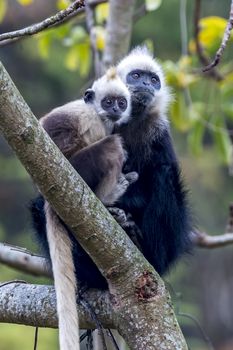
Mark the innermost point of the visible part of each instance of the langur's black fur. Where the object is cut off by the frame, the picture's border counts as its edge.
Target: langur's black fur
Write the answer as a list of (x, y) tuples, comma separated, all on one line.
[(157, 201), (86, 270)]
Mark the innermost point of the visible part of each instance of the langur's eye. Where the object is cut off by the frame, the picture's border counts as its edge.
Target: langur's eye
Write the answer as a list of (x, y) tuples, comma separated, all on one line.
[(154, 79), (122, 103), (136, 75), (109, 101)]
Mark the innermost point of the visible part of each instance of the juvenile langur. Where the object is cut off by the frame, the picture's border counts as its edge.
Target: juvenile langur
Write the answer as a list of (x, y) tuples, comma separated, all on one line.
[(157, 202), (72, 127)]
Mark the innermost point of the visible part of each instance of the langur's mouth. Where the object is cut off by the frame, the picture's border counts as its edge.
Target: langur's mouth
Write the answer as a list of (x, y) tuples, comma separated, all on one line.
[(142, 98), (142, 91), (113, 117)]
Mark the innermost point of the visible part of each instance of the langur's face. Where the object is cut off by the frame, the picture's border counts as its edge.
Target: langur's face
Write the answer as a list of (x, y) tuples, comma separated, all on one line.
[(143, 86), (114, 106)]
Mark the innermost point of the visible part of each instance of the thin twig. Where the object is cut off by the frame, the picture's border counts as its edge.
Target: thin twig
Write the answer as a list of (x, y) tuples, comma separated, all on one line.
[(139, 13), (99, 326), (202, 57), (184, 44), (36, 338), (223, 45), (10, 282), (183, 28), (90, 20), (198, 325), (59, 17), (113, 339)]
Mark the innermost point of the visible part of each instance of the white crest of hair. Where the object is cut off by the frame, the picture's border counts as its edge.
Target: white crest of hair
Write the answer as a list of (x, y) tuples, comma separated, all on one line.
[(65, 282), (141, 58), (110, 84)]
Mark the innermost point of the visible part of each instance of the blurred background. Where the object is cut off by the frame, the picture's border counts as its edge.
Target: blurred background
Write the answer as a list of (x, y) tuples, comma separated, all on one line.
[(55, 67)]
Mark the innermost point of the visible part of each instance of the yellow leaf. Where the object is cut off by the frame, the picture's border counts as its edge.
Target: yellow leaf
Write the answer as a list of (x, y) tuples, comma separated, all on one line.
[(211, 32), (100, 37), (101, 13), (72, 59), (62, 4), (3, 8), (85, 58), (44, 45), (25, 2)]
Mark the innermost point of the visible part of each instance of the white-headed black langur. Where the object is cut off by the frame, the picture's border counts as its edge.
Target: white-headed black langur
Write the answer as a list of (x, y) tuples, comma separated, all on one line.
[(157, 201), (73, 126)]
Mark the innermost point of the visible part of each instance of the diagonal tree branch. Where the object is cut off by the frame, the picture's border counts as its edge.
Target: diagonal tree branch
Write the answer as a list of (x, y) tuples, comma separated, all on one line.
[(75, 8), (224, 42)]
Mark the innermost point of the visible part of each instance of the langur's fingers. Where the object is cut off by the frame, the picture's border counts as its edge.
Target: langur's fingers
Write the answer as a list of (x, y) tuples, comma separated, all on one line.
[(132, 176)]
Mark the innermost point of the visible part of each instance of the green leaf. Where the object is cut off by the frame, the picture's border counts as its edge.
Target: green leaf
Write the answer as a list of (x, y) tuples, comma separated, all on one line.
[(78, 57), (228, 109), (182, 116), (152, 5), (78, 34), (222, 142), (195, 138), (3, 9), (44, 45)]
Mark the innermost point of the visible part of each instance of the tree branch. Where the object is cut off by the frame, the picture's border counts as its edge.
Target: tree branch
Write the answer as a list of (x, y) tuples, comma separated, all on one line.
[(223, 45), (204, 240), (202, 57), (62, 16), (23, 260), (141, 303), (35, 305), (118, 29)]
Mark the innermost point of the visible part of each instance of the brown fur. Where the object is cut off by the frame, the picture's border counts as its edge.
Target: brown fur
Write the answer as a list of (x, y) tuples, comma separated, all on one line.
[(81, 136), (73, 126)]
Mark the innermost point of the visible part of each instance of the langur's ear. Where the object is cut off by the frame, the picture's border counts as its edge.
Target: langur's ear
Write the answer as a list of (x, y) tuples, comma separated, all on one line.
[(89, 96)]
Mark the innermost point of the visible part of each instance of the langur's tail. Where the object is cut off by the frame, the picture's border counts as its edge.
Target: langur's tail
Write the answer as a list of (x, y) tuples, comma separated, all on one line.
[(65, 281)]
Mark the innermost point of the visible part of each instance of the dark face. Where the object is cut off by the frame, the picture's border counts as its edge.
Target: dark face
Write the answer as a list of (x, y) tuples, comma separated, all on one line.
[(114, 106), (142, 85)]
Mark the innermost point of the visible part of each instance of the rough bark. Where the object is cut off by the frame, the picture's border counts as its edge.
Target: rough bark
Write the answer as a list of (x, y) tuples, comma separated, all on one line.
[(141, 304), (35, 305), (118, 30)]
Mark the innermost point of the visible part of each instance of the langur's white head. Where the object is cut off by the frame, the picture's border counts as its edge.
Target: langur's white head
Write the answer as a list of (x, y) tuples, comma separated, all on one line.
[(110, 98), (144, 77)]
